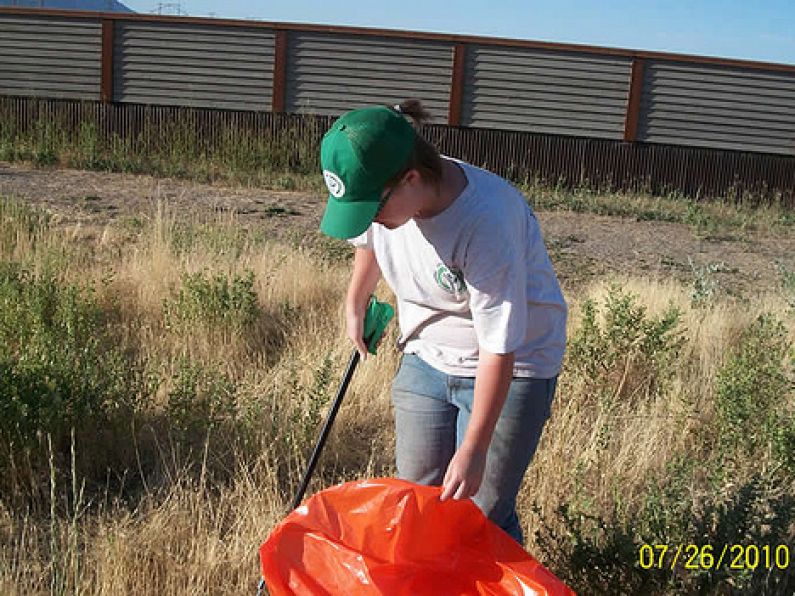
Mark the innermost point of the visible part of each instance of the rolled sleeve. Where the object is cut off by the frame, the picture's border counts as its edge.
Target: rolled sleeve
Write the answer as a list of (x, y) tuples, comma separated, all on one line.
[(364, 240)]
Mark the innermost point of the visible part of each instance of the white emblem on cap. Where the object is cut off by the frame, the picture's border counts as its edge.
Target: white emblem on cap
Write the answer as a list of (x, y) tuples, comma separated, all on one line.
[(335, 185)]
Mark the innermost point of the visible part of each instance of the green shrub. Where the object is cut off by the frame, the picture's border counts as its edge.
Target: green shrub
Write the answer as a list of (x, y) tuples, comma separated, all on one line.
[(753, 392), (213, 303), (601, 553), (200, 399), (625, 353), (326, 249), (58, 366), (696, 217)]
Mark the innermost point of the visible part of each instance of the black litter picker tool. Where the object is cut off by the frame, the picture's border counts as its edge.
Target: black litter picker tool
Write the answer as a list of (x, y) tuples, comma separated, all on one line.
[(376, 319)]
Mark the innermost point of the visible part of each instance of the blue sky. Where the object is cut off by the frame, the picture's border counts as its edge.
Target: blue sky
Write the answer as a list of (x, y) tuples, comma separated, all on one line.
[(753, 30)]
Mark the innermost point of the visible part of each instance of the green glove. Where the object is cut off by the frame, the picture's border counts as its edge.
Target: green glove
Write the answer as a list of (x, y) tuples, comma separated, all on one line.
[(376, 319)]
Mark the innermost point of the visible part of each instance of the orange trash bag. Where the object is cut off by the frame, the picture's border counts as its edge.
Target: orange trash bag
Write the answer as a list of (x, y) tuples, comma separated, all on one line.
[(389, 536)]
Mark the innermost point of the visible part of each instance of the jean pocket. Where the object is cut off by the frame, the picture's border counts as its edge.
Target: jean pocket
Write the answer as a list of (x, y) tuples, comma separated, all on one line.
[(414, 377)]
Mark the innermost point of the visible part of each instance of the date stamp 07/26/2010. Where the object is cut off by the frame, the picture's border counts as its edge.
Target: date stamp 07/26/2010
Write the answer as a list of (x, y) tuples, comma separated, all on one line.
[(706, 557)]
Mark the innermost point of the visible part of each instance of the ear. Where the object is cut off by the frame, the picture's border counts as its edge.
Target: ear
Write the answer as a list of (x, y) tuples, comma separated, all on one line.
[(412, 177)]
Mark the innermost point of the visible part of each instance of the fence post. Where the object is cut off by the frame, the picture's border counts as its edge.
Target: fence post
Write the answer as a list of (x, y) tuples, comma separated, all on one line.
[(634, 100), (106, 77), (280, 72), (457, 85)]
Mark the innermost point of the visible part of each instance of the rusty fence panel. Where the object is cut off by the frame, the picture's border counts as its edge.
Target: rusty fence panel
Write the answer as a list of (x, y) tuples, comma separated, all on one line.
[(553, 159)]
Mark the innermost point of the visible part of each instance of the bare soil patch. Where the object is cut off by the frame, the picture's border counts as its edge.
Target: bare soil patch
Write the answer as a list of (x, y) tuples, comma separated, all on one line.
[(583, 246)]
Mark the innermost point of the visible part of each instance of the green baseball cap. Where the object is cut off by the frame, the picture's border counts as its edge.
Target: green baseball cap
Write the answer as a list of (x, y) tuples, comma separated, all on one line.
[(359, 154)]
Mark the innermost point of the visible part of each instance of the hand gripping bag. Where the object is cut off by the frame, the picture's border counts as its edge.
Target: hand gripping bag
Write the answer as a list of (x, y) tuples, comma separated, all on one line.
[(388, 536)]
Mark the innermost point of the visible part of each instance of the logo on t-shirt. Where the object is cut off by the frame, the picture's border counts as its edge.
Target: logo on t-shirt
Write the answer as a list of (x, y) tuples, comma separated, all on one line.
[(450, 280)]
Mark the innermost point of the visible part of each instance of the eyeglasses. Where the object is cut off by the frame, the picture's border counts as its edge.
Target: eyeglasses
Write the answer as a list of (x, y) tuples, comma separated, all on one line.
[(388, 194), (384, 199)]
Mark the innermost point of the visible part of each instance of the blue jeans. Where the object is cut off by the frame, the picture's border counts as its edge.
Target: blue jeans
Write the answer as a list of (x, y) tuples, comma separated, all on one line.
[(432, 410)]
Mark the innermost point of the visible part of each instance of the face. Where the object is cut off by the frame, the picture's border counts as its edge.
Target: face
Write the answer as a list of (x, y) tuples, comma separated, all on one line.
[(400, 202)]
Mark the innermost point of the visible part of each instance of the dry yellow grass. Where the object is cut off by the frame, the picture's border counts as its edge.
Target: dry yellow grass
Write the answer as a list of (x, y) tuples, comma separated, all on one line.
[(196, 521)]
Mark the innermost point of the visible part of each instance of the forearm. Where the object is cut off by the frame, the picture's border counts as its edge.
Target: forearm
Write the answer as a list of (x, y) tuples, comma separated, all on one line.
[(364, 279), (492, 381)]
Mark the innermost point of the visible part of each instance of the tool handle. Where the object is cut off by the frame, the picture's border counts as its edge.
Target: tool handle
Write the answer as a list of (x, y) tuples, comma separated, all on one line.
[(376, 319), (332, 414)]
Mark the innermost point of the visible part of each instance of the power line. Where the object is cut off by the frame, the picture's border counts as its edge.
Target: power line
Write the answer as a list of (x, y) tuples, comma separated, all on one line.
[(170, 8)]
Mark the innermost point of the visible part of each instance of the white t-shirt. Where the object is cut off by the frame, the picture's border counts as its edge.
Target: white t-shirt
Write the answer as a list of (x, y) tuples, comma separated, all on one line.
[(475, 275)]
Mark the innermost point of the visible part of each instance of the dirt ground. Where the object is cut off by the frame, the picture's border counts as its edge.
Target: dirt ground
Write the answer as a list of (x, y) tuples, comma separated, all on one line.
[(582, 246)]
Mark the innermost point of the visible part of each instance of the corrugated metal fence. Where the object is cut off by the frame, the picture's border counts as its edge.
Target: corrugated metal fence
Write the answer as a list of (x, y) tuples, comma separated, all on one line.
[(190, 65), (735, 108), (45, 57), (329, 74), (558, 112), (545, 91)]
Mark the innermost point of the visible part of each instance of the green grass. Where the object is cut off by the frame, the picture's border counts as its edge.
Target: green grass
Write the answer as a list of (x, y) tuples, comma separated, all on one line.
[(708, 218), (286, 160)]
